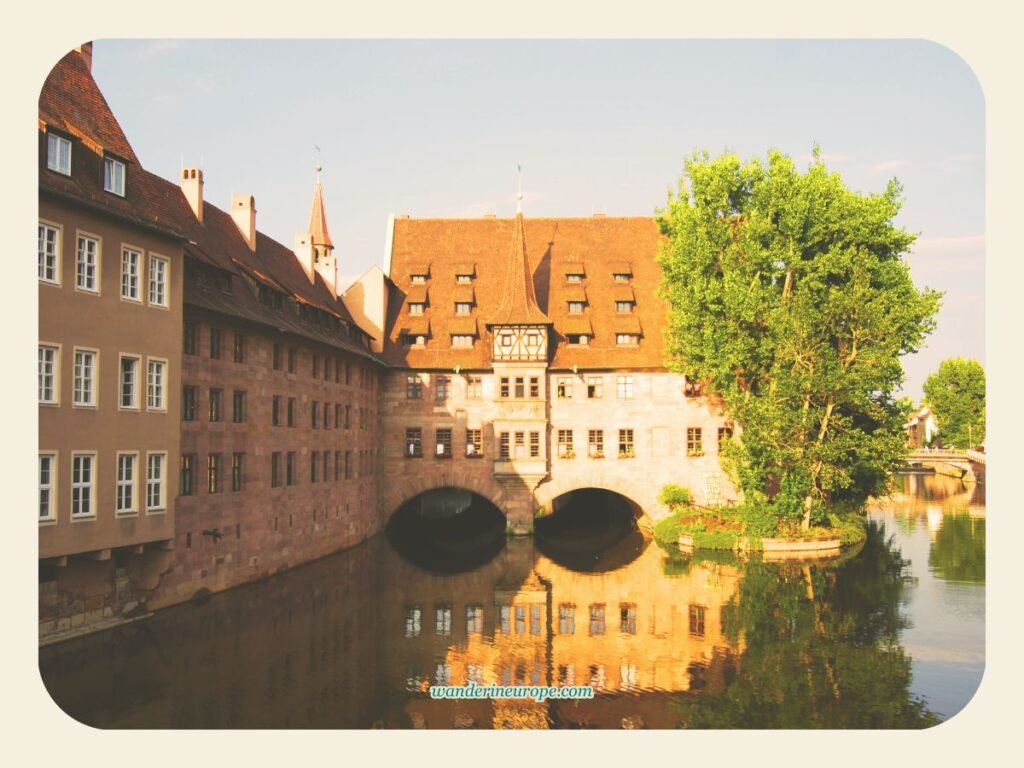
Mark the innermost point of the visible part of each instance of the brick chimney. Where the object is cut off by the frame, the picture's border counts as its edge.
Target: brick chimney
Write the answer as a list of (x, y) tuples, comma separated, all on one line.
[(192, 187), (86, 50), (243, 211)]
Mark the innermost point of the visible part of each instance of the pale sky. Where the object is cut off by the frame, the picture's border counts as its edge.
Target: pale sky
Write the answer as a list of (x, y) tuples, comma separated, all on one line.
[(435, 128)]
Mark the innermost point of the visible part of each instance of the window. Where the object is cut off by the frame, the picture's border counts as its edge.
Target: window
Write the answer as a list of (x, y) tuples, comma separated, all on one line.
[(520, 445), (337, 415), (442, 388), (694, 441), (58, 154), (535, 619), (443, 444), (327, 415), (129, 393), (190, 339), (348, 465), (131, 261), (187, 474), (414, 442), (463, 279), (462, 341), (337, 465), (534, 445), (275, 411), (275, 469), (412, 621), (626, 444), (113, 176), (348, 416), (627, 618), (291, 359), (624, 307), (82, 477), (563, 387), (692, 388), (520, 387), (87, 264), (621, 277), (724, 434), (126, 483), (237, 471), (504, 619), (290, 475), (418, 279), (238, 406), (158, 281), (578, 339), (627, 339), (443, 620), (503, 445), (316, 366), (413, 387), (47, 485), (313, 467), (474, 619), (215, 340), (574, 277), (291, 411), (520, 619), (566, 619), (625, 387), (155, 385), (474, 388), (595, 388), (597, 619), (48, 378), (534, 387), (239, 348), (416, 308), (503, 388), (595, 443), (277, 357), (474, 443), (314, 414), (213, 473), (575, 307), (565, 449), (463, 308), (697, 620), (49, 254), (84, 389)]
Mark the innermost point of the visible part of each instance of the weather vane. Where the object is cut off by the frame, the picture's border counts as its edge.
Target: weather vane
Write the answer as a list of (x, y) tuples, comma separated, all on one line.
[(519, 193)]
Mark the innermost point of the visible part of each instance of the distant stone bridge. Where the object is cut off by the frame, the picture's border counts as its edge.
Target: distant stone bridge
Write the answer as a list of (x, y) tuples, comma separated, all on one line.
[(967, 465)]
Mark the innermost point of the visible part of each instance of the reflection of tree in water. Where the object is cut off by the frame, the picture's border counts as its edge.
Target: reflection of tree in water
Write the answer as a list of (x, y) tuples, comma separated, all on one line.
[(821, 648), (958, 551)]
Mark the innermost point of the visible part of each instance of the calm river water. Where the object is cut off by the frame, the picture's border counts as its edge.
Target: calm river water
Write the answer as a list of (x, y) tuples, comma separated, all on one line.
[(889, 636)]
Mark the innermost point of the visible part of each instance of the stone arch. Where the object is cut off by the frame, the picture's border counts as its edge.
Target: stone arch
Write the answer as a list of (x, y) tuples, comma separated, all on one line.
[(644, 498), (410, 488)]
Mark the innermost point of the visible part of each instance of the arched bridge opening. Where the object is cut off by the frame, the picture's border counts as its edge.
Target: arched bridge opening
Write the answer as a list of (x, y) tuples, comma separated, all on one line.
[(592, 530), (447, 530)]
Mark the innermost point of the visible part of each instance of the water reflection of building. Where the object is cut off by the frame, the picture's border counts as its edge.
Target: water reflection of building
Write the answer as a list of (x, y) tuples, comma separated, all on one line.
[(631, 634)]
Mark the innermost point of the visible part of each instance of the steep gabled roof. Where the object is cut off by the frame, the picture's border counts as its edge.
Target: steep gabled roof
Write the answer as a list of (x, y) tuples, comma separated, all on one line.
[(318, 219), (519, 299)]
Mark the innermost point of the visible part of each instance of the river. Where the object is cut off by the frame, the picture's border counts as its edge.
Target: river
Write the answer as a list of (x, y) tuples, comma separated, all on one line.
[(890, 635)]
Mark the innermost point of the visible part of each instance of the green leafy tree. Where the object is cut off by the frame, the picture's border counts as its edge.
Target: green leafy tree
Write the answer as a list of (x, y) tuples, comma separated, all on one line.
[(790, 298), (956, 394)]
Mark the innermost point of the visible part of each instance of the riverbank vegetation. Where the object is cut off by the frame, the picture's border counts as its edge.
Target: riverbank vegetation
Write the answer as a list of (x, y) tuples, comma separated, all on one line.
[(956, 394), (791, 301)]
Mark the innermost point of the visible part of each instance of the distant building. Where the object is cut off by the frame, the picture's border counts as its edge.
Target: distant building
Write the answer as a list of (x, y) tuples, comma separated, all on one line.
[(212, 411), (922, 428)]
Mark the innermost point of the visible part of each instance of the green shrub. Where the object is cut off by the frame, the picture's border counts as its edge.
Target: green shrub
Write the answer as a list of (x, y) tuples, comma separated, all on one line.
[(674, 496), (715, 539), (666, 532), (759, 520)]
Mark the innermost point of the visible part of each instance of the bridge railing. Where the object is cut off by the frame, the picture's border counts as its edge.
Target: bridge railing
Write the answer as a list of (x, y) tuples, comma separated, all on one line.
[(976, 456), (937, 453)]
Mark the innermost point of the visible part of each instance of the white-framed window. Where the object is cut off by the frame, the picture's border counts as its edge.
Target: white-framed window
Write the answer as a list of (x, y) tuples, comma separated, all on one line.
[(156, 379), (625, 387), (462, 340), (85, 378), (83, 482), (416, 308), (49, 254), (87, 264), (47, 486), (158, 268), (49, 374), (463, 308), (627, 339), (127, 476), (58, 154), (113, 176), (131, 264), (128, 393), (155, 485)]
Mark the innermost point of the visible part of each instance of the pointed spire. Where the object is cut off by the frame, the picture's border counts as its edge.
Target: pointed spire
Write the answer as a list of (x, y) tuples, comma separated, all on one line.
[(318, 217), (519, 299)]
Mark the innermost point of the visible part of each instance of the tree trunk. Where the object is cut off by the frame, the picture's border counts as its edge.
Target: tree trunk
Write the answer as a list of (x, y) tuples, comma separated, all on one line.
[(809, 499)]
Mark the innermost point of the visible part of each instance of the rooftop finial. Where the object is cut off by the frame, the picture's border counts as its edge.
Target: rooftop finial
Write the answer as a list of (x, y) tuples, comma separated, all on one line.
[(319, 167), (519, 194)]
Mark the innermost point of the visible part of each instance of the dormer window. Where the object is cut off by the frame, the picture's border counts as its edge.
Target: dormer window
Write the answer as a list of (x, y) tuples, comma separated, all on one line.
[(58, 154), (418, 279), (622, 272), (627, 339), (579, 339), (574, 278), (620, 277), (113, 176), (464, 273), (575, 307), (463, 308), (415, 309), (624, 307), (464, 279), (462, 341)]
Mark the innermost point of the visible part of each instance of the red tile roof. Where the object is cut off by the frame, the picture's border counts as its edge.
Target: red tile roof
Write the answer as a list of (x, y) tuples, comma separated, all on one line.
[(553, 248), (318, 219), (518, 300)]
